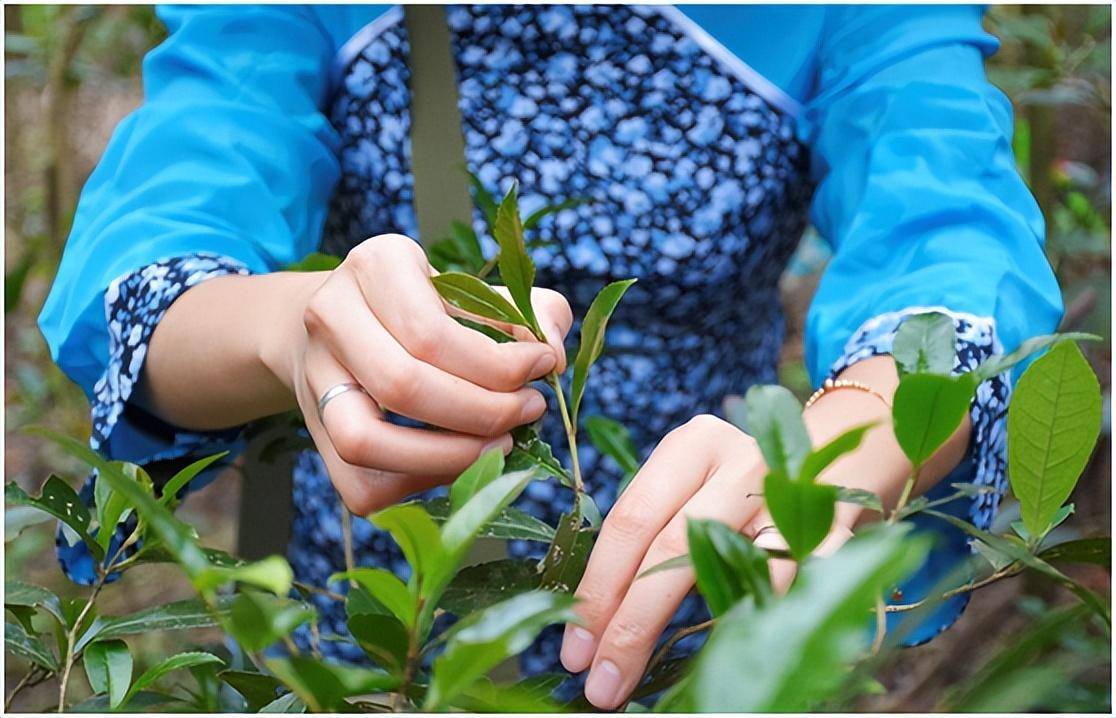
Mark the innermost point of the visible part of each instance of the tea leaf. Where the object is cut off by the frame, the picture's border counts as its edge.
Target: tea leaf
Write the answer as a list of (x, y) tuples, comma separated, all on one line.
[(517, 270), (510, 523), (177, 482), (531, 451), (383, 638), (323, 687), (568, 555), (613, 439), (818, 460), (1000, 363), (258, 689), (483, 640), (175, 616), (925, 344), (480, 473), (257, 620), (108, 666), (727, 566), (593, 327), (484, 584), (315, 262), (28, 647), (271, 574), (792, 653), (59, 500), (1053, 422), (489, 331), (670, 564), (385, 587), (417, 535), (860, 497), (775, 422), (802, 512), (463, 525), (927, 409), (1091, 550), (486, 697), (483, 198), (18, 593), (286, 703), (472, 295), (174, 663), (538, 215)]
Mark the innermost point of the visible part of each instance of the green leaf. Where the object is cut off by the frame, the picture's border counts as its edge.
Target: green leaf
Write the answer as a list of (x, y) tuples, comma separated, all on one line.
[(927, 409), (802, 512), (1002, 362), (18, 593), (593, 327), (108, 665), (258, 689), (483, 198), (18, 518), (485, 584), (271, 574), (516, 268), (463, 525), (257, 620), (177, 537), (144, 702), (325, 686), (727, 566), (568, 555), (169, 497), (483, 640), (818, 460), (111, 508), (486, 697), (925, 344), (532, 451), (472, 295), (28, 647), (315, 262), (383, 638), (489, 331), (175, 616), (860, 497), (1053, 422), (386, 588), (538, 215), (613, 439), (480, 473), (589, 510), (461, 250), (286, 703), (174, 663), (792, 653), (59, 500), (1059, 518), (510, 523), (670, 564), (417, 536), (1090, 550), (775, 422)]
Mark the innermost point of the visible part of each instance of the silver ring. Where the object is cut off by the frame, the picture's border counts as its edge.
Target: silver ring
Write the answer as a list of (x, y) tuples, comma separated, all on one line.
[(333, 392), (765, 529)]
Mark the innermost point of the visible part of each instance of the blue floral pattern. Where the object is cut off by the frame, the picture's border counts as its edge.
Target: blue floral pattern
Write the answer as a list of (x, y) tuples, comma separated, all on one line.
[(698, 187)]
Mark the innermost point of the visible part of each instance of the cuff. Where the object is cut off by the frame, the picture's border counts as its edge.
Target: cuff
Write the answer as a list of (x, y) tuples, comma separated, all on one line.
[(134, 305)]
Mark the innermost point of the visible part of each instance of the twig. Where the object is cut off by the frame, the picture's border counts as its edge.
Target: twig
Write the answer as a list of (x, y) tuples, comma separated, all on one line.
[(1006, 572), (571, 430), (24, 682), (308, 588), (881, 625), (908, 487), (489, 266), (681, 633), (347, 540), (413, 654)]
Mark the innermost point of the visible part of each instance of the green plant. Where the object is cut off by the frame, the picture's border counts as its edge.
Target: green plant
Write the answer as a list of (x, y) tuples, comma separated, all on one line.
[(813, 646)]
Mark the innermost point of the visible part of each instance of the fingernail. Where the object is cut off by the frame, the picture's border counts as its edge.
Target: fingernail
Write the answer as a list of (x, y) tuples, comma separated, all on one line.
[(578, 647), (603, 687), (543, 365), (533, 407), (504, 444)]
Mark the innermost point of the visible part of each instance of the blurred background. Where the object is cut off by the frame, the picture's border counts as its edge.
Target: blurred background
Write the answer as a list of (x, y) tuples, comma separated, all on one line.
[(73, 72)]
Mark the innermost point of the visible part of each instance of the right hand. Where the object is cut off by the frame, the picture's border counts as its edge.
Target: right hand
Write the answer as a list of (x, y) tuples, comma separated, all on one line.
[(377, 321)]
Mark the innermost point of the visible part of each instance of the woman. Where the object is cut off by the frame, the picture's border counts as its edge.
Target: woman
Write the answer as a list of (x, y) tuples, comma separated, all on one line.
[(704, 135)]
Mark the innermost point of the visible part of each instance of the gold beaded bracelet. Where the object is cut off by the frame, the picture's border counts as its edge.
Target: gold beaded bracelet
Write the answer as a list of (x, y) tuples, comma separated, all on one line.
[(834, 384)]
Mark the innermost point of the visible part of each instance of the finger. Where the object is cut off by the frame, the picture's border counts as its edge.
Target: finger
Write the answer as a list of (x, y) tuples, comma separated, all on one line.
[(651, 601), (766, 536), (664, 484), (360, 436), (410, 387), (555, 318), (393, 277)]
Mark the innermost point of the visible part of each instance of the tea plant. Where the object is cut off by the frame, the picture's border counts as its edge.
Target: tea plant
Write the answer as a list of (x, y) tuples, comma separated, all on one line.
[(814, 647)]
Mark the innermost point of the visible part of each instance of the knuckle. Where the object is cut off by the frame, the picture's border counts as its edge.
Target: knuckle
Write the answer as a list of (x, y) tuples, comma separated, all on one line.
[(629, 517), (351, 443), (707, 424), (672, 541), (423, 343), (627, 635), (399, 390), (315, 315)]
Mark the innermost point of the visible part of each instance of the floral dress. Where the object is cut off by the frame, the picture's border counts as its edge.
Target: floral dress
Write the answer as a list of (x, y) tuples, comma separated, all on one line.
[(701, 178)]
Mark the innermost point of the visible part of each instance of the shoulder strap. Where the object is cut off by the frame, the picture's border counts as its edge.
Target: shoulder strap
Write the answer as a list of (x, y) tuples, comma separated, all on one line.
[(437, 145)]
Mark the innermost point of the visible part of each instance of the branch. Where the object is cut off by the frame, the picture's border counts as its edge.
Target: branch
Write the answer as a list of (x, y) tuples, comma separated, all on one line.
[(1005, 572)]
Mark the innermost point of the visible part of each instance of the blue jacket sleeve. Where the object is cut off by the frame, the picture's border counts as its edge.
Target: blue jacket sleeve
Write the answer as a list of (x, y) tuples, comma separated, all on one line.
[(229, 154), (918, 191)]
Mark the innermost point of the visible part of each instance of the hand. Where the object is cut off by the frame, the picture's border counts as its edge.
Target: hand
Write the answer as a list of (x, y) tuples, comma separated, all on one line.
[(709, 469), (377, 321)]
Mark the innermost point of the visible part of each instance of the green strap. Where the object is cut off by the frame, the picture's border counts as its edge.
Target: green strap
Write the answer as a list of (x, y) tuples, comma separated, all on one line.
[(437, 146)]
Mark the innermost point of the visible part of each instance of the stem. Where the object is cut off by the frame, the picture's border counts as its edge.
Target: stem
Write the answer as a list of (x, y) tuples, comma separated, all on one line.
[(24, 682), (347, 539), (489, 266), (681, 633), (1005, 572), (908, 488), (333, 595), (413, 654), (881, 625), (571, 430)]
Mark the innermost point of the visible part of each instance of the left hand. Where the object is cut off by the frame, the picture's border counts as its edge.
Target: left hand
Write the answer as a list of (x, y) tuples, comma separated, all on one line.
[(704, 469)]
